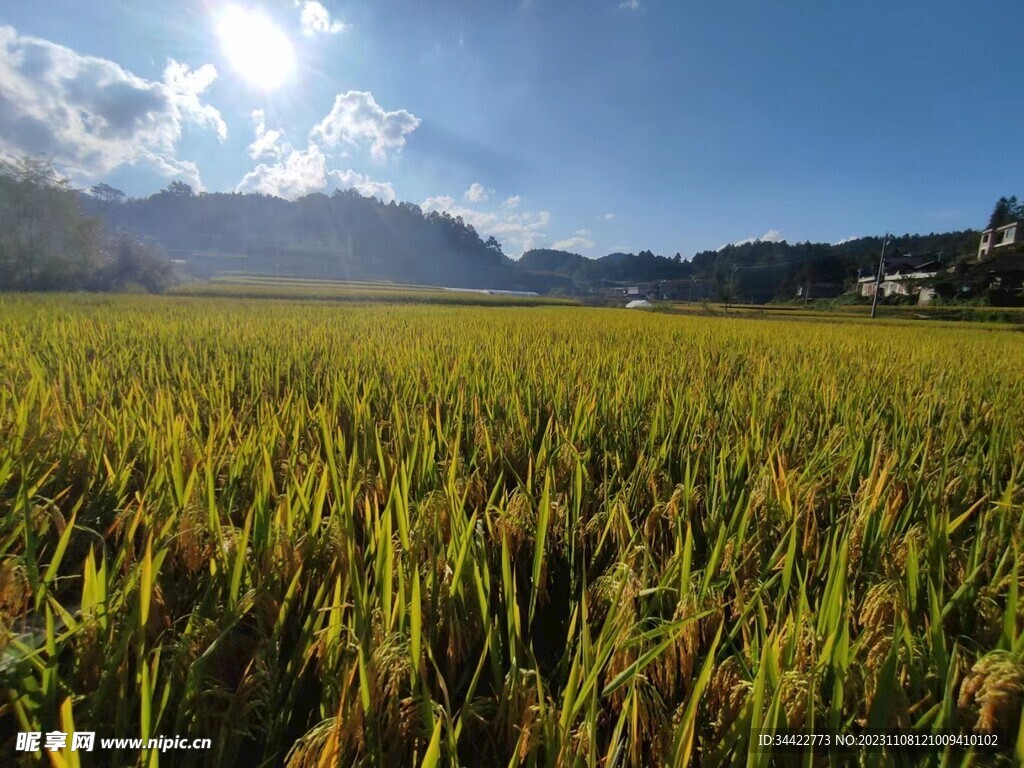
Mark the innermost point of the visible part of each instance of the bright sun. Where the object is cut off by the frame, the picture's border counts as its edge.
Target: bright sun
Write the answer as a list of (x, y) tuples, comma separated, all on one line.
[(257, 49)]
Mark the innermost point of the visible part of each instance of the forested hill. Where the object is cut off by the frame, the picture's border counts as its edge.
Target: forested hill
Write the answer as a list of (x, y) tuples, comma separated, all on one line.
[(343, 236), (348, 236), (823, 261), (615, 267), (763, 269), (776, 269)]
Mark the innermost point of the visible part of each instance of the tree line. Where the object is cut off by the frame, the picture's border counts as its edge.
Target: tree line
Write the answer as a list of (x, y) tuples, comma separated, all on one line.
[(339, 236), (761, 270), (47, 242), (1007, 210), (53, 237), (347, 236)]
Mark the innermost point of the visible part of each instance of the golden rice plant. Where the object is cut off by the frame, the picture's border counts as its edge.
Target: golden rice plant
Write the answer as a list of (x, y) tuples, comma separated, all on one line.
[(404, 534)]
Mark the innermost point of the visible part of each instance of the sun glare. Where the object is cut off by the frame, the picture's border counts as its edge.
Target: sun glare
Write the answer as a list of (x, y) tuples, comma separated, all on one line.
[(256, 47)]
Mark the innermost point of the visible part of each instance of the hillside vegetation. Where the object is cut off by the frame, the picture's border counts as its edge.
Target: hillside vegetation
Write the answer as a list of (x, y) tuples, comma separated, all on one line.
[(48, 244), (766, 270), (350, 237), (53, 237)]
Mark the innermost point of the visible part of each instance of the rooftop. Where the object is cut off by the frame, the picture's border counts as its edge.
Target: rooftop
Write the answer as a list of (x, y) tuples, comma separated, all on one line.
[(1000, 228)]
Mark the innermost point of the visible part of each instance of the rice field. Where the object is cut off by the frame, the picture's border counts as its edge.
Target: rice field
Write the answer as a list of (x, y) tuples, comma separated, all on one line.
[(932, 313), (381, 534), (266, 287)]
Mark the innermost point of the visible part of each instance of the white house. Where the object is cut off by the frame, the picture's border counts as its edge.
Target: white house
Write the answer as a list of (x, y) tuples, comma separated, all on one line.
[(998, 237), (902, 277)]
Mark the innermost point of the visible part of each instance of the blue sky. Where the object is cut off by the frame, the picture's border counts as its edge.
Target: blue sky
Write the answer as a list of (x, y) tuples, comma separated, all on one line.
[(595, 126)]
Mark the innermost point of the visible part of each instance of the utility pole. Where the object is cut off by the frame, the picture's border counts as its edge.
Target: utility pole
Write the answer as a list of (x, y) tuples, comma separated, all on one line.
[(878, 279), (732, 278)]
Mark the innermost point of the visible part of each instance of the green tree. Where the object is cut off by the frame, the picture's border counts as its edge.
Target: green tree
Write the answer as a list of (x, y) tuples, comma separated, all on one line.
[(48, 244), (132, 265), (179, 189), (1006, 210), (493, 244), (45, 242), (108, 194)]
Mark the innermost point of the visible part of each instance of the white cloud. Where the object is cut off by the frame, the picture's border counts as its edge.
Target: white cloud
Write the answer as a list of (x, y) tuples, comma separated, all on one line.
[(580, 240), (298, 173), (476, 193), (632, 5), (771, 236), (266, 143), (187, 86), (512, 202), (357, 117), (572, 244), (170, 167), (315, 18), (364, 185), (290, 173), (517, 231), (608, 216), (91, 115), (440, 203), (849, 239)]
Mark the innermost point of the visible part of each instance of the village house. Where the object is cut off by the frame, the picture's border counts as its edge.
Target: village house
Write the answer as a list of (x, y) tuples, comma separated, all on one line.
[(1000, 237), (1000, 264), (903, 276)]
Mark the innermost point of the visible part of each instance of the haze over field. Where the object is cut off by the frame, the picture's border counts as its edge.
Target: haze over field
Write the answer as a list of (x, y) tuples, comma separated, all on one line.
[(592, 128)]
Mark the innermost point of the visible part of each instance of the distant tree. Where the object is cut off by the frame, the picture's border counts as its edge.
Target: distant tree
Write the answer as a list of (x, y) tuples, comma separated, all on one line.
[(1006, 210), (1016, 209), (677, 258), (131, 265), (179, 189), (346, 194), (108, 194), (45, 242), (493, 245), (549, 260)]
